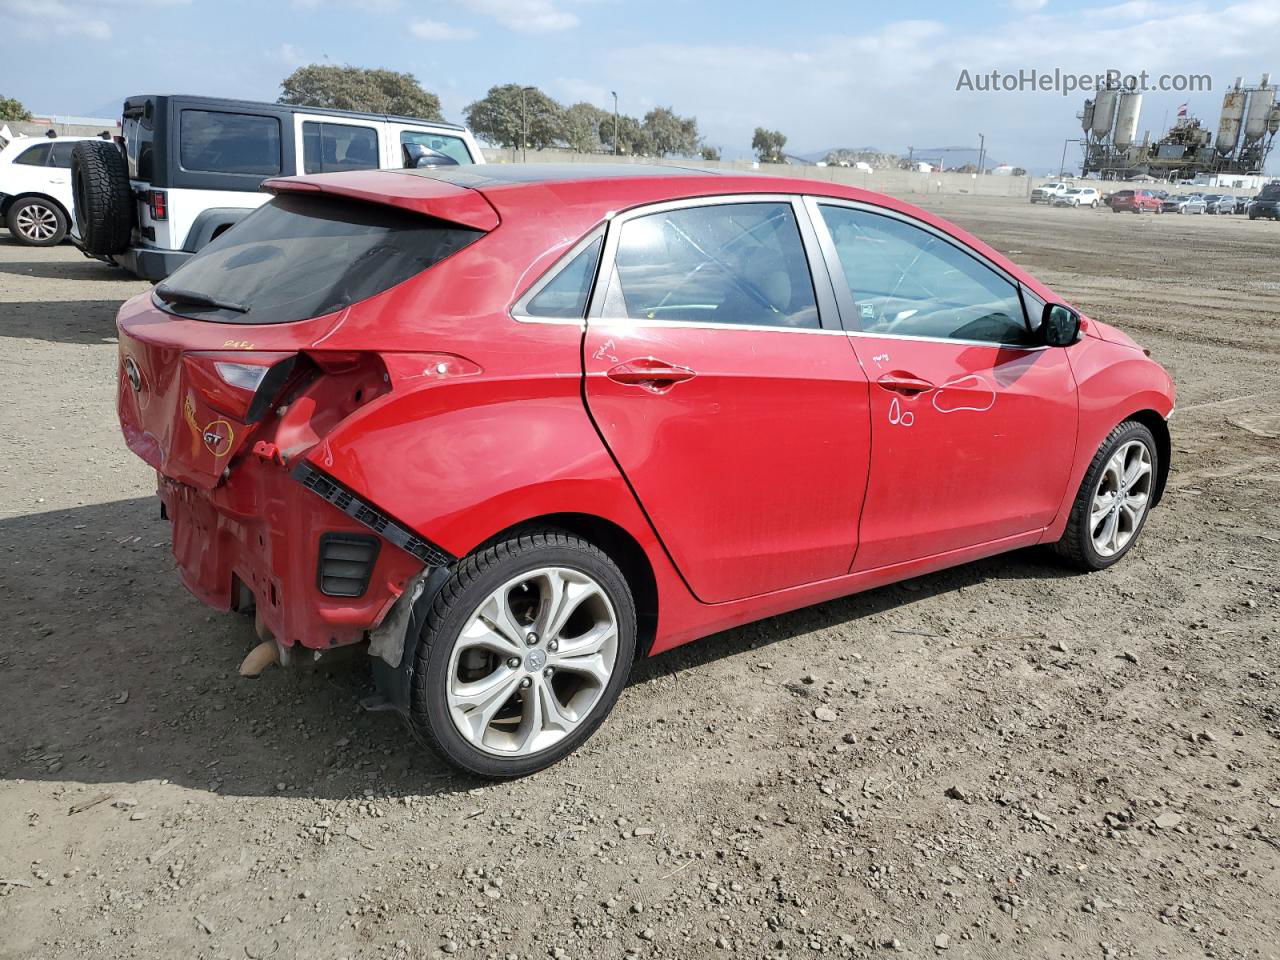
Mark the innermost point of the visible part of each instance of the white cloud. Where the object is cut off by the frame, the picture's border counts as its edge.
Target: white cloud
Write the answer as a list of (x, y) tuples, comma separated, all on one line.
[(1028, 6), (897, 85), (435, 30), (68, 18), (525, 16)]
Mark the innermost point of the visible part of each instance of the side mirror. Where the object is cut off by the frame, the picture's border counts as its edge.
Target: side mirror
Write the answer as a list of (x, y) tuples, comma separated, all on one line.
[(1059, 325), (418, 156)]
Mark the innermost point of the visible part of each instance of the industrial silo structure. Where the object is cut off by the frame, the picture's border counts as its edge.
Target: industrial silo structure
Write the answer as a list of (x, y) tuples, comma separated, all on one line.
[(1130, 105), (1086, 118), (1230, 122), (1104, 112), (1262, 102)]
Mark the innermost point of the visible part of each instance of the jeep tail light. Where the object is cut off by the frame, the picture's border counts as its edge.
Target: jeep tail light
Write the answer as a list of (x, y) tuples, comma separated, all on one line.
[(159, 205)]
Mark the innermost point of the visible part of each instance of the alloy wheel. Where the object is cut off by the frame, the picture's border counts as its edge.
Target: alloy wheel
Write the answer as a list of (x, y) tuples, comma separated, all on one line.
[(1121, 498), (532, 661), (36, 222)]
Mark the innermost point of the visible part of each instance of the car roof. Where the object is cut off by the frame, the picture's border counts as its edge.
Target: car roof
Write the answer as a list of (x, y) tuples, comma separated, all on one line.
[(261, 105), (23, 142)]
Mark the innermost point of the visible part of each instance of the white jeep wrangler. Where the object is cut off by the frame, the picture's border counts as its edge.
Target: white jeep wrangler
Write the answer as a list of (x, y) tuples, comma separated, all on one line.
[(186, 169)]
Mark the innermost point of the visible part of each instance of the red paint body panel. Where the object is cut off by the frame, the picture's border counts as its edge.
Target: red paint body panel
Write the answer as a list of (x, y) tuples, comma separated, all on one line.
[(750, 471), (771, 479), (984, 454)]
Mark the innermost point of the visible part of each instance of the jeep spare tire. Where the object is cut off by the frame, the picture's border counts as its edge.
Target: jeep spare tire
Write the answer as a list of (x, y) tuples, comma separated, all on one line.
[(103, 197)]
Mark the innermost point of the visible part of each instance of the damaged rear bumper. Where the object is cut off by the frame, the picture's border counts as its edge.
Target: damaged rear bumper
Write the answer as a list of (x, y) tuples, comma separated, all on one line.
[(267, 541)]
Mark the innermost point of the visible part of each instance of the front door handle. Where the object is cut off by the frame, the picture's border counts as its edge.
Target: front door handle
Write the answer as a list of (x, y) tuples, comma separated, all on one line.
[(905, 383), (649, 372)]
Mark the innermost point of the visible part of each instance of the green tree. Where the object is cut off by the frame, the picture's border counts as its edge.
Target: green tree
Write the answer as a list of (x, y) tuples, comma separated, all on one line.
[(633, 138), (11, 109), (582, 124), (768, 145), (497, 118), (671, 134), (358, 88), (709, 152)]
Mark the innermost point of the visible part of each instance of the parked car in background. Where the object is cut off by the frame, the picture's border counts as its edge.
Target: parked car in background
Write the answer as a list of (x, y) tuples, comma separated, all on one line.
[(1267, 202), (424, 409), (1191, 203), (35, 189), (1219, 203), (1046, 192), (1243, 203), (188, 168), (1078, 197), (1135, 201)]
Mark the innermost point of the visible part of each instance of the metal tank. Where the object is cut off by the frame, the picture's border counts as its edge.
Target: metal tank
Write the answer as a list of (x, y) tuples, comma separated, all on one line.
[(1127, 119), (1104, 112), (1261, 103), (1086, 118), (1229, 124), (1273, 125)]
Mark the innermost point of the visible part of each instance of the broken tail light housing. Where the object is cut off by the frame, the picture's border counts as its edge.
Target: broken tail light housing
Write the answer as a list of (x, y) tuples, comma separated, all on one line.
[(242, 385)]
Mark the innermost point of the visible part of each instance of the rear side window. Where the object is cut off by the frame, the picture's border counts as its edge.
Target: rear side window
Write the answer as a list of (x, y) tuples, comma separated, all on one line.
[(565, 294), (62, 154), (330, 147), (453, 147), (34, 156), (734, 263), (212, 141), (306, 256)]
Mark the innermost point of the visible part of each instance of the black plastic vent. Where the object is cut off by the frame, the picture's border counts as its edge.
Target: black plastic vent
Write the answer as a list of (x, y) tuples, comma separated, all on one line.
[(346, 564), (370, 516)]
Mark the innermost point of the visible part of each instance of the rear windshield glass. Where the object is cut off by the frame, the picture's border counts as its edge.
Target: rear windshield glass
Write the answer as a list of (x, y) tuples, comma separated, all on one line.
[(305, 256)]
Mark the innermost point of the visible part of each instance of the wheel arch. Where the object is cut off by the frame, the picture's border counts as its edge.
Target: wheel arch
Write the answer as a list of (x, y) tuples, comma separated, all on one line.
[(36, 194), (1159, 428), (622, 548)]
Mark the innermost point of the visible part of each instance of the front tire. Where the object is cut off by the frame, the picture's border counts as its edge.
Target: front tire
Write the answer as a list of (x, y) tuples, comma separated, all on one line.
[(523, 654), (1114, 499), (37, 222)]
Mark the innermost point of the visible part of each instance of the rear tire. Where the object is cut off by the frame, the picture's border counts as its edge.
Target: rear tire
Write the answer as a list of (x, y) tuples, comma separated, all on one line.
[(103, 197), (1114, 499), (523, 654), (37, 222)]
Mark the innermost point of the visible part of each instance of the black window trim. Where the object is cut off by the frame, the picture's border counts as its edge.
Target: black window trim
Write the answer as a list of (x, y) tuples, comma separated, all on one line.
[(824, 297), (844, 296)]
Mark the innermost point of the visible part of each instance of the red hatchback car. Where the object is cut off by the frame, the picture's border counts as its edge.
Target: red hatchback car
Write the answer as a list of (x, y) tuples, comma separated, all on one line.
[(515, 426), (1135, 201)]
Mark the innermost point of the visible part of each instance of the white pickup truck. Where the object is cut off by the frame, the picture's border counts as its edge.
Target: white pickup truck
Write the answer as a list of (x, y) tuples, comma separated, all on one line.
[(1048, 192)]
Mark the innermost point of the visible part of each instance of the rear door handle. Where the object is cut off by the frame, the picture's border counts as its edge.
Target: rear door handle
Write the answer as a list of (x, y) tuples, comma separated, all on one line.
[(649, 372), (905, 383)]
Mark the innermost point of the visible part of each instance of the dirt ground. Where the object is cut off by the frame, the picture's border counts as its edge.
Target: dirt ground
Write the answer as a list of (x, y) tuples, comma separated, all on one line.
[(1024, 763)]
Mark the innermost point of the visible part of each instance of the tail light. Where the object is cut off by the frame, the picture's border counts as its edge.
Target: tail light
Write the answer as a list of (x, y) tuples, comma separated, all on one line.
[(242, 385), (159, 202)]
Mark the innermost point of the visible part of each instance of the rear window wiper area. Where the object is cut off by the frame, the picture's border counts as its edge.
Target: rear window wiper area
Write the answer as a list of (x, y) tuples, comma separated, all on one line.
[(195, 298)]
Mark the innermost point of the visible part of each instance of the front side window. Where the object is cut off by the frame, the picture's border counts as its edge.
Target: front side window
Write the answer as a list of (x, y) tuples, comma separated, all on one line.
[(565, 295), (211, 141), (306, 256), (331, 147), (34, 156), (733, 263), (907, 281), (453, 147)]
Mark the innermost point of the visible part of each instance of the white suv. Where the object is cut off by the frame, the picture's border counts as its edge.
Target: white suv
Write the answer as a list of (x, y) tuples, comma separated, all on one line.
[(189, 168), (1078, 197), (35, 189)]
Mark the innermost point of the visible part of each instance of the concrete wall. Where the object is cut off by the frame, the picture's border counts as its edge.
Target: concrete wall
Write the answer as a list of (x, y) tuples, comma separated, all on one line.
[(897, 183), (63, 129)]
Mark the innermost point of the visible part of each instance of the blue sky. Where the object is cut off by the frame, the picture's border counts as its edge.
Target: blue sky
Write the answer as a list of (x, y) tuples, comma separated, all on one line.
[(826, 73)]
